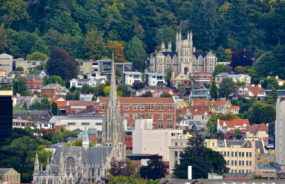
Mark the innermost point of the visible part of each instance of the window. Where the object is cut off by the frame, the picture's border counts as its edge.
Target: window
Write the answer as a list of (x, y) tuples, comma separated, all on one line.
[(126, 107), (142, 116), (85, 123), (33, 63), (239, 163), (103, 107), (249, 154), (249, 163), (190, 117), (71, 123), (235, 162), (169, 107), (150, 107), (160, 116), (135, 107), (242, 154), (142, 107), (228, 153), (242, 163), (225, 154), (232, 162), (175, 154), (130, 75), (160, 125), (176, 144), (232, 154), (246, 154), (126, 115), (228, 162), (169, 125), (239, 154), (235, 154), (135, 116), (160, 107), (35, 86), (150, 116), (246, 163), (169, 116)]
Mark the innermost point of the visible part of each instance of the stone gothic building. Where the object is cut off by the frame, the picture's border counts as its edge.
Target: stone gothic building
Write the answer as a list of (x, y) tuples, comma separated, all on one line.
[(78, 165), (185, 59)]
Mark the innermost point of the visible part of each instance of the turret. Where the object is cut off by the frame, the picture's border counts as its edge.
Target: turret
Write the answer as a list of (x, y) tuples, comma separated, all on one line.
[(61, 163), (180, 35), (36, 166), (188, 36), (169, 47), (191, 36), (177, 37), (163, 46), (85, 143)]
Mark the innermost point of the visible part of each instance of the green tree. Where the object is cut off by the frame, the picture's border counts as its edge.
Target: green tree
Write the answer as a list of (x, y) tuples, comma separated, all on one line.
[(221, 68), (53, 79), (37, 56), (3, 38), (21, 69), (165, 95), (93, 45), (214, 90), (54, 109), (227, 87), (274, 94), (200, 158), (134, 49), (16, 9), (76, 95), (238, 134), (25, 106), (20, 86), (269, 83), (126, 92)]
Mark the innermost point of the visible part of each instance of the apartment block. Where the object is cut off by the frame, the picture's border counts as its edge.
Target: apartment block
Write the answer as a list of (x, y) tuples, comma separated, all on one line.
[(6, 62), (27, 64), (279, 132), (161, 110)]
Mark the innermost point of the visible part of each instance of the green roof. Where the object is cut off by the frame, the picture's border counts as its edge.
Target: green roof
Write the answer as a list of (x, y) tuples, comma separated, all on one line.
[(85, 131)]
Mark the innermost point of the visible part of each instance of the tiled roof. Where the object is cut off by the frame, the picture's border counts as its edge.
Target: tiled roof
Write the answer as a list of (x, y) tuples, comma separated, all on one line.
[(221, 102), (32, 77), (61, 103), (165, 91), (201, 102), (141, 100), (202, 73), (254, 89), (235, 107), (1, 70), (81, 103), (257, 127), (176, 74), (195, 110), (235, 122), (279, 80), (54, 99)]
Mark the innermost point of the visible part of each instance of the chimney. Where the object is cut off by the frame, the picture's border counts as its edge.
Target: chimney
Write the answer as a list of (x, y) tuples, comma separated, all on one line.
[(259, 85), (189, 172), (276, 77), (194, 49), (252, 85)]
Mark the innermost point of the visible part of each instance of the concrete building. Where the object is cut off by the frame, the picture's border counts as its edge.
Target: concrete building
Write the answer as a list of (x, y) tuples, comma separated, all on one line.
[(239, 155), (27, 64), (185, 59), (146, 140), (279, 132), (6, 62), (9, 175), (130, 77), (154, 79)]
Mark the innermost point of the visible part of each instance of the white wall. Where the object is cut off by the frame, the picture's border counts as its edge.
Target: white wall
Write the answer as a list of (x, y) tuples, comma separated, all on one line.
[(130, 80), (279, 132), (146, 141)]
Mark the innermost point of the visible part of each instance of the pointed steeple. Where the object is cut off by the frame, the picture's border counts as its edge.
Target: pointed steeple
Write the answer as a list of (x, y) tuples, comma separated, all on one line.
[(113, 89), (52, 156), (85, 142), (47, 160), (191, 36), (36, 166), (37, 158)]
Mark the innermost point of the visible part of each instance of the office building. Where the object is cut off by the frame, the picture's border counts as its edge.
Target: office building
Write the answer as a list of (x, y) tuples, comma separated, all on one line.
[(6, 114), (279, 132)]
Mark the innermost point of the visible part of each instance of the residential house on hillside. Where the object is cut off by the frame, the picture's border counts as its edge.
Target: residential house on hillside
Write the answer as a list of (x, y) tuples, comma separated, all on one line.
[(159, 92), (230, 126), (86, 97), (218, 106), (130, 77), (14, 75), (201, 93), (77, 106), (202, 78), (249, 92), (61, 104), (241, 78), (198, 115), (42, 73), (280, 81), (179, 78), (259, 131), (21, 100), (33, 115), (26, 65), (78, 83), (35, 83), (150, 89), (281, 93), (219, 78), (154, 79), (161, 110), (54, 90), (3, 73)]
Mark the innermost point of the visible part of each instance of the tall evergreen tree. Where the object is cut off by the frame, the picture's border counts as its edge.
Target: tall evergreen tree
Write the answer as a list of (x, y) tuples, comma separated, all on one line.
[(134, 49), (3, 38), (214, 90)]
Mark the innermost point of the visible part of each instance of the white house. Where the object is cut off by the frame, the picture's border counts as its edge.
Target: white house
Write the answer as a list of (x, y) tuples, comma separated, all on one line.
[(154, 79), (78, 83), (41, 73), (78, 122), (150, 141), (230, 126), (130, 77), (86, 97), (249, 92)]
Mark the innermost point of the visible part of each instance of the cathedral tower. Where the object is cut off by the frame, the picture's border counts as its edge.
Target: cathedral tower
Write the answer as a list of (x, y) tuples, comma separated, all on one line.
[(113, 132)]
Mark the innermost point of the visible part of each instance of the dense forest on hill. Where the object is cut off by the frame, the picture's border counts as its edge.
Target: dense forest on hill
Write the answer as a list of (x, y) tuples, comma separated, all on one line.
[(90, 29)]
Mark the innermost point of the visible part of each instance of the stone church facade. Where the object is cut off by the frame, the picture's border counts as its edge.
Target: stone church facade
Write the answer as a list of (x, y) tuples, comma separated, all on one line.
[(80, 165), (185, 59)]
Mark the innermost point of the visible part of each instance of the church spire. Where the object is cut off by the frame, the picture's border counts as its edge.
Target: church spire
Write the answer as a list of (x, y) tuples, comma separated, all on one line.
[(85, 142), (36, 166), (113, 89), (36, 159)]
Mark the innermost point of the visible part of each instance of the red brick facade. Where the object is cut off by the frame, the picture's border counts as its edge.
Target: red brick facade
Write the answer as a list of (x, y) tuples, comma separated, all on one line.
[(34, 83), (161, 110), (202, 78)]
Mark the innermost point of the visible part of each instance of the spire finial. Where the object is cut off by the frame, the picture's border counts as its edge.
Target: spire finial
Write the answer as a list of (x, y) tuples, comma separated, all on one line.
[(113, 90)]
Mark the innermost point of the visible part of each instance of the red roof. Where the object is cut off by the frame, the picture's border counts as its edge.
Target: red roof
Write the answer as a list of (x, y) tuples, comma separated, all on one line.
[(1, 70), (165, 91), (141, 100), (54, 99), (202, 73), (235, 122), (254, 89), (176, 74), (257, 127), (201, 102), (81, 103), (235, 107), (61, 103), (279, 80)]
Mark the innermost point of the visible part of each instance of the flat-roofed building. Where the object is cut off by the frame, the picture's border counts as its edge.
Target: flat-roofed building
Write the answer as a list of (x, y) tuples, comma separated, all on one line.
[(6, 62), (6, 114)]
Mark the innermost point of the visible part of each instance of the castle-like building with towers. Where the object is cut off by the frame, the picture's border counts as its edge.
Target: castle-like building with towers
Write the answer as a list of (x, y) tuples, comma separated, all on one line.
[(78, 165), (185, 59)]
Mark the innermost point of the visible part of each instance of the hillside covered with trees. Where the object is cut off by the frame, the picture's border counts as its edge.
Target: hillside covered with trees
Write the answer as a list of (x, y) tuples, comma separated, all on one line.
[(91, 29)]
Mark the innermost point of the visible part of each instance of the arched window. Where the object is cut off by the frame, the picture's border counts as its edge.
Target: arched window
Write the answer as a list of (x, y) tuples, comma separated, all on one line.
[(185, 70), (70, 181), (93, 171), (44, 180), (98, 171)]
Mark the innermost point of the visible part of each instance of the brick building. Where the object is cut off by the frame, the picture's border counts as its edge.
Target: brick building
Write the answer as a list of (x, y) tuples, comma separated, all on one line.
[(54, 90), (178, 78), (161, 110), (202, 78), (35, 83)]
